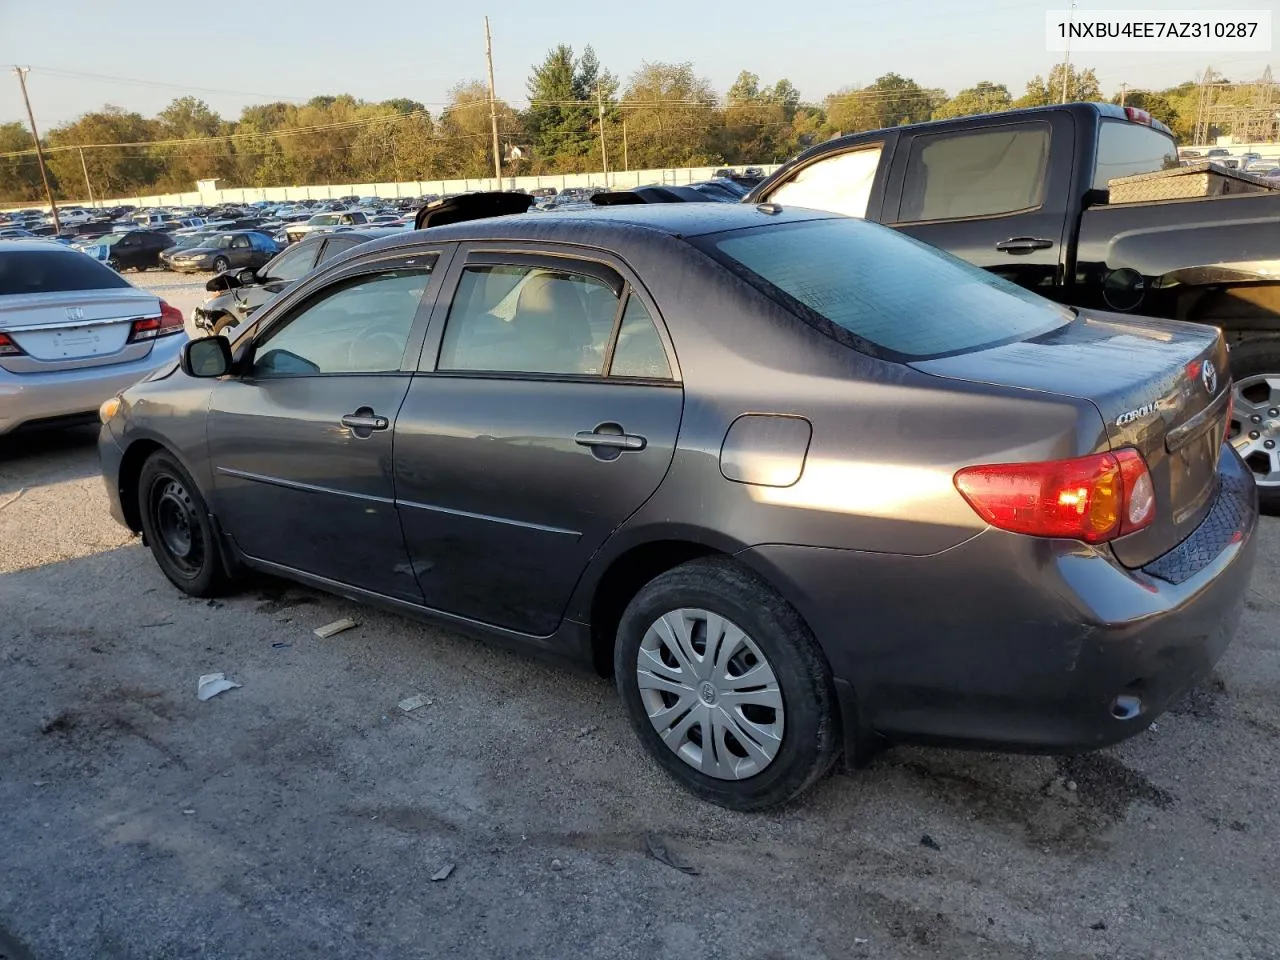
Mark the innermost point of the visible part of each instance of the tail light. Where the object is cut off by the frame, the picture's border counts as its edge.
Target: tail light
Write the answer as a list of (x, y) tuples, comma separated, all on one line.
[(1095, 498), (169, 322), (7, 347)]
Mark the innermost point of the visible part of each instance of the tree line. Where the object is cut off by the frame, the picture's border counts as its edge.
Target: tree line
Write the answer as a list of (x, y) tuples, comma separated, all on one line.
[(665, 115)]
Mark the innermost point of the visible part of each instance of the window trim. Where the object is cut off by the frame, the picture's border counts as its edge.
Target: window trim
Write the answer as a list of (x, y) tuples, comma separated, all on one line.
[(283, 308), (923, 138), (554, 256)]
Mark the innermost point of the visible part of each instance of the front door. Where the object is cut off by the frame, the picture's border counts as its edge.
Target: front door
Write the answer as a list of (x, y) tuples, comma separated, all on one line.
[(301, 444), (546, 414), (990, 196)]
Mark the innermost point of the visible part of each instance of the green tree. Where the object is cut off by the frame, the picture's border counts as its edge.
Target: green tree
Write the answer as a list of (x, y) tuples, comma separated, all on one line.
[(890, 101), (123, 170), (466, 145), (19, 176), (1081, 85), (670, 114), (985, 97)]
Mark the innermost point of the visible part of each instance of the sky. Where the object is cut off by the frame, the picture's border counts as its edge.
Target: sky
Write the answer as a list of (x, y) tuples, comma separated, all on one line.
[(140, 54)]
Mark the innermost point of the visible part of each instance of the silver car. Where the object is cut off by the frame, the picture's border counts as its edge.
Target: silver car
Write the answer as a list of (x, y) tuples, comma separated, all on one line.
[(73, 333)]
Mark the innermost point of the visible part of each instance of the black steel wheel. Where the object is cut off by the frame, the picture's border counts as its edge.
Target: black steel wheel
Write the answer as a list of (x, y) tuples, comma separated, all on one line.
[(175, 521)]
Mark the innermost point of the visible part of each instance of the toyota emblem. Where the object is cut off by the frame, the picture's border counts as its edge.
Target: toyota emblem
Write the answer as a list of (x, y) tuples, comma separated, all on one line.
[(1209, 377)]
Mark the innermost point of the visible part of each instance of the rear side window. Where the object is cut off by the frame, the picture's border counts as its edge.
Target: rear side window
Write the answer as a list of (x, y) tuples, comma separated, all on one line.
[(979, 174), (51, 271), (883, 292), (1128, 149)]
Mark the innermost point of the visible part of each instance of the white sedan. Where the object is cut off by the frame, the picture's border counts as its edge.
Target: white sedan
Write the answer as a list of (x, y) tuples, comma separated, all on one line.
[(73, 333)]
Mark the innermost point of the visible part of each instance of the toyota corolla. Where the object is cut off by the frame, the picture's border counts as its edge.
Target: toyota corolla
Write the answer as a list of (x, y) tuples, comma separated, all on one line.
[(801, 484)]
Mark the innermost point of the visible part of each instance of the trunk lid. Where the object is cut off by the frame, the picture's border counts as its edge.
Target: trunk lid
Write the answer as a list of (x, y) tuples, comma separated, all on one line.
[(74, 329), (1161, 387)]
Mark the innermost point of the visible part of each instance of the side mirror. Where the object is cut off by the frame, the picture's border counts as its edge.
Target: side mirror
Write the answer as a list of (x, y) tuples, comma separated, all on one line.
[(207, 357), (247, 277)]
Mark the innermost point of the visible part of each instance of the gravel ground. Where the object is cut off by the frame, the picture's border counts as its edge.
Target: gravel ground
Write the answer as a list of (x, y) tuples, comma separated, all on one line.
[(183, 290), (304, 814)]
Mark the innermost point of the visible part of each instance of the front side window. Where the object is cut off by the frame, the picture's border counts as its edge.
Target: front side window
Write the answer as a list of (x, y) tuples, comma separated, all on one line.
[(978, 174), (841, 184), (358, 325), (881, 291), (528, 319), (293, 265), (1128, 149)]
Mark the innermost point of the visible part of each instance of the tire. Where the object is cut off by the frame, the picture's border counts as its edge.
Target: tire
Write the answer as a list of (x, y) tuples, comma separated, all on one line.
[(740, 778), (1252, 362), (173, 513), (223, 323), (220, 264)]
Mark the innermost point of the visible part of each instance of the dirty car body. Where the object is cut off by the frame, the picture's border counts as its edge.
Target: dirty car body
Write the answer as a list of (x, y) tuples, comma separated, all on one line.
[(937, 507)]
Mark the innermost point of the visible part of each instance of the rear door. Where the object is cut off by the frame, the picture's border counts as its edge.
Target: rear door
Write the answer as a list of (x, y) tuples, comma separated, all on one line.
[(301, 443), (995, 195), (545, 414)]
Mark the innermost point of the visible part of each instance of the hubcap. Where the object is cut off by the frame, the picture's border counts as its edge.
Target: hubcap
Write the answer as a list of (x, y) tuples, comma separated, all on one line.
[(176, 525), (710, 694), (1255, 426)]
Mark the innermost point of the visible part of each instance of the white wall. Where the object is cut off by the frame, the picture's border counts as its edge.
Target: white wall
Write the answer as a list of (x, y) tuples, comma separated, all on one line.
[(620, 180)]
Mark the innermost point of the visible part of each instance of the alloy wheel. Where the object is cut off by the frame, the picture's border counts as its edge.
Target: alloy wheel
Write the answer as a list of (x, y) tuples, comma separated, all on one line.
[(1255, 426), (710, 694)]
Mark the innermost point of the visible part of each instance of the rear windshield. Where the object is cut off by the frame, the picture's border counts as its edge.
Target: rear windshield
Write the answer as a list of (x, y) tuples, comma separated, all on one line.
[(52, 271), (1127, 149), (881, 291)]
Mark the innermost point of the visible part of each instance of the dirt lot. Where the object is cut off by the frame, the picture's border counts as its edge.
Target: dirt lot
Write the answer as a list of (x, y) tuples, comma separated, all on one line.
[(304, 814)]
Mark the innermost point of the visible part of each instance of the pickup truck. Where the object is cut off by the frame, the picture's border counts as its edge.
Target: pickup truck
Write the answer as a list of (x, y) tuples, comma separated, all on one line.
[(1025, 195)]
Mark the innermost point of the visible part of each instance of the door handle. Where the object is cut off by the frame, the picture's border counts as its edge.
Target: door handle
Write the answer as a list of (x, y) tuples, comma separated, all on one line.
[(362, 421), (1024, 244), (621, 441)]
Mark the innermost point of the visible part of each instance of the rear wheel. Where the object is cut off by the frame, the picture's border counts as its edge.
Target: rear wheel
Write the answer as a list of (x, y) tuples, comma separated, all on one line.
[(725, 686), (176, 523), (1255, 414)]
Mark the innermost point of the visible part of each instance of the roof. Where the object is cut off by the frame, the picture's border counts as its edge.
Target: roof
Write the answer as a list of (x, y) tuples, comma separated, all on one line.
[(593, 224), (9, 246)]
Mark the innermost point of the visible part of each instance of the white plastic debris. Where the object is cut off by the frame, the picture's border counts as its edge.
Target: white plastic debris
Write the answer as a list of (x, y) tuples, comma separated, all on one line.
[(443, 872), (212, 684), (329, 629), (414, 702)]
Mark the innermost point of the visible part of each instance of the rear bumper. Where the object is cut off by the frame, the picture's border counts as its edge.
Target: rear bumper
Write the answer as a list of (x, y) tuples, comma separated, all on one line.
[(27, 398), (1017, 643)]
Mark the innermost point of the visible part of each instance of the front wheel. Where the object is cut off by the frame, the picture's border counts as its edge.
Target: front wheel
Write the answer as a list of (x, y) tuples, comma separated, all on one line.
[(176, 523), (221, 264), (1255, 415), (725, 686)]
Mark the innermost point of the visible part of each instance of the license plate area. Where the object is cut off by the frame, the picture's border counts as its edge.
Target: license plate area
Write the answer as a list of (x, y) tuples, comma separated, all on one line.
[(73, 343)]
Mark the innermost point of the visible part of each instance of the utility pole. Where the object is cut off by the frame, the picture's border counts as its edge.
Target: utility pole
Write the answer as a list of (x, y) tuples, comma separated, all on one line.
[(493, 105), (604, 153), (1066, 60), (87, 185), (1124, 93), (44, 175), (626, 161)]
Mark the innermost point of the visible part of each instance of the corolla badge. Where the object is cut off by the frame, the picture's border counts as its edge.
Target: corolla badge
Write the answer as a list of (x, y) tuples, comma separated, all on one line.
[(1138, 414), (75, 313), (1209, 377)]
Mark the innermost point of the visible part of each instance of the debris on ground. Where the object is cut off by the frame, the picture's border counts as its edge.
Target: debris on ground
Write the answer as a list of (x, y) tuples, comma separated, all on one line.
[(587, 731), (928, 841), (212, 684), (188, 812), (443, 872), (556, 864), (158, 623), (659, 850), (1098, 926), (14, 498), (414, 702), (860, 941), (59, 723), (280, 645), (330, 629)]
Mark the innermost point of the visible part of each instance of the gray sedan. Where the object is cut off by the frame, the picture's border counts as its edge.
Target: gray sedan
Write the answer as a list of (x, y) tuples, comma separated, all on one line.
[(801, 484), (73, 333)]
